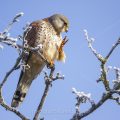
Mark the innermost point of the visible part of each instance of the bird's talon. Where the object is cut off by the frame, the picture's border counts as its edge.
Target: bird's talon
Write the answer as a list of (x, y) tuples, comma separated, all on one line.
[(50, 65), (64, 41)]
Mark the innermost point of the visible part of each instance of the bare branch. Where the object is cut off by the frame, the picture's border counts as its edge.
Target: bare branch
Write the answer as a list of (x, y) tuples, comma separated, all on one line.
[(90, 41), (2, 102), (112, 49), (117, 99), (93, 108), (48, 82), (81, 97), (15, 19), (7, 107), (108, 95), (4, 38), (103, 76), (11, 70), (45, 93)]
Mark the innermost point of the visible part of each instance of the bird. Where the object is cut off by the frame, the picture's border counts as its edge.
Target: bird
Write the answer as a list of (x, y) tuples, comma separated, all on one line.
[(47, 34)]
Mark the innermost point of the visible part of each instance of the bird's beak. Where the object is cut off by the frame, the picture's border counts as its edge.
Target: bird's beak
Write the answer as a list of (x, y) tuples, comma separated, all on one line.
[(66, 30)]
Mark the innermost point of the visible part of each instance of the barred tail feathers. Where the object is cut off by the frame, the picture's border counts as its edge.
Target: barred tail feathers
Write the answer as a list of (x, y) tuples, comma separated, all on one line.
[(20, 93), (36, 65)]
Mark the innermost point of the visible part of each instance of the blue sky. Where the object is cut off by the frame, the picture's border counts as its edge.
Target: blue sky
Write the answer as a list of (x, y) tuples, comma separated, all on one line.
[(81, 70)]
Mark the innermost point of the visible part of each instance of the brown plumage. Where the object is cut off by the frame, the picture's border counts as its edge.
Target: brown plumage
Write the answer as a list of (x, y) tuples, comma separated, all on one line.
[(44, 32)]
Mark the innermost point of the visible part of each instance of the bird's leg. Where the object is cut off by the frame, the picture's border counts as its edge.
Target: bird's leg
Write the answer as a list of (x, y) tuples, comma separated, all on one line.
[(64, 41), (50, 65)]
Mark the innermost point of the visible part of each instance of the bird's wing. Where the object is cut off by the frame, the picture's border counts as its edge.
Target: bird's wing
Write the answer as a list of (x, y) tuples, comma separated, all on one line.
[(36, 65), (29, 37)]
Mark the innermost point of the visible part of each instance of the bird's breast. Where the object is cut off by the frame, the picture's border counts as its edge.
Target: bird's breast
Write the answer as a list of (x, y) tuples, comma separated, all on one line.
[(50, 41)]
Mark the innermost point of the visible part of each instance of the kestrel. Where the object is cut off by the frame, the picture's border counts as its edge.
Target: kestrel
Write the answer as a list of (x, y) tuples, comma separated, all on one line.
[(45, 32)]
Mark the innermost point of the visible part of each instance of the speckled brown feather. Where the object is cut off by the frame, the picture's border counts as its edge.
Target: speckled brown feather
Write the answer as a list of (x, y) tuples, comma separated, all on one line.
[(32, 34)]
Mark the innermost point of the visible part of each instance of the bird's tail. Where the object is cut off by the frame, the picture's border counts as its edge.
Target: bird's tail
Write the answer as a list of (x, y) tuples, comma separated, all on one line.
[(20, 92), (36, 65)]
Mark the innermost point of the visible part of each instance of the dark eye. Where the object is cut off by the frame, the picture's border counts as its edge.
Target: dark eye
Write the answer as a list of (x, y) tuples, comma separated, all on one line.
[(65, 23)]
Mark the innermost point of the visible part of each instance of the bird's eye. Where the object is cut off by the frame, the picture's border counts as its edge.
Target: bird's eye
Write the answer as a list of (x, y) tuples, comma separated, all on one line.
[(65, 23)]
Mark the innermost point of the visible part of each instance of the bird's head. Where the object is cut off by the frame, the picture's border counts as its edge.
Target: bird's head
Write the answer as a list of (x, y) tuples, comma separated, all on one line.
[(59, 22)]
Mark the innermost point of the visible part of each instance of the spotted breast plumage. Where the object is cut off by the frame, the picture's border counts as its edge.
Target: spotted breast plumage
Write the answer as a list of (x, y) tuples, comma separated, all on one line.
[(47, 34)]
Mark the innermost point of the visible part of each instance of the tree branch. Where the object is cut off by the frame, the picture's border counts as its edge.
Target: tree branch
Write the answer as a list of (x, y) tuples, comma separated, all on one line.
[(109, 94), (48, 82), (112, 49), (11, 70), (7, 107), (4, 38)]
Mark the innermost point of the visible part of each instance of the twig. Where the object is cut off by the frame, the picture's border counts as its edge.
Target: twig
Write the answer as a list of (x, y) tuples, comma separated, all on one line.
[(13, 110), (2, 102), (45, 93), (102, 60), (112, 49), (103, 77), (11, 70), (48, 82), (15, 19), (81, 97), (104, 98), (90, 41), (4, 38), (117, 99), (93, 108)]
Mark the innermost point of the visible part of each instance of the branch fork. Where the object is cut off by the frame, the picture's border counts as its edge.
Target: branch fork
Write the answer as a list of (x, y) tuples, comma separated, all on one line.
[(110, 93)]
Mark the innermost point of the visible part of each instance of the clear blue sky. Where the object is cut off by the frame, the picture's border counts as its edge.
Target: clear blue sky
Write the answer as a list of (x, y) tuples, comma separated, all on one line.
[(101, 19)]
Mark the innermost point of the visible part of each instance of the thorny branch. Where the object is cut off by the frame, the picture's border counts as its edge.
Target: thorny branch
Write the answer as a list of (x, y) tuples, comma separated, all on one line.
[(109, 93)]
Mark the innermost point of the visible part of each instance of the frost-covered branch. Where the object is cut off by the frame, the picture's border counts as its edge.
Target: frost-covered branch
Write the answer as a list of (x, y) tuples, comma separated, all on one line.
[(110, 93), (90, 41), (7, 107), (6, 39), (94, 106), (15, 19), (112, 49), (48, 83), (81, 97)]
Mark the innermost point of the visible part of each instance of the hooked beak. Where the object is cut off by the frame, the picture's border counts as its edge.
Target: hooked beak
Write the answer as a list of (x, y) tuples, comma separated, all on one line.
[(66, 30)]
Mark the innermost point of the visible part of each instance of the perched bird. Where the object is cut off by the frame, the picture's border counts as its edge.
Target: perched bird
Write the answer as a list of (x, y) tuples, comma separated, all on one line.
[(45, 32)]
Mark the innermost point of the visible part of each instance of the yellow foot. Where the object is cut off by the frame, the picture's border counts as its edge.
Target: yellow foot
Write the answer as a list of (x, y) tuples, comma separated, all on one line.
[(51, 64)]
